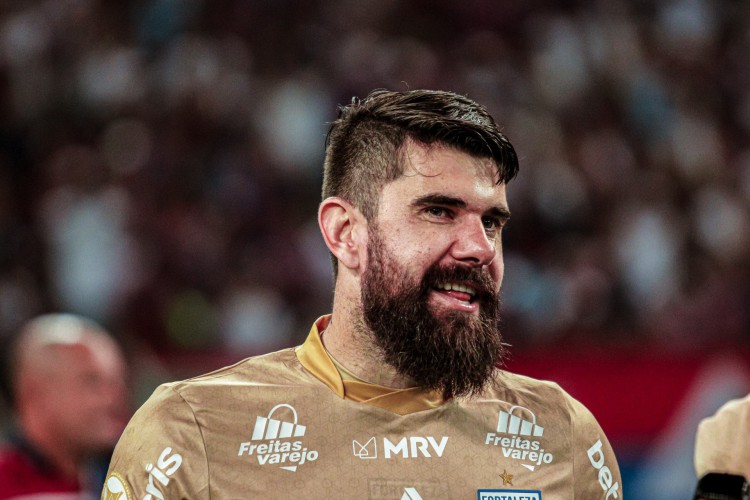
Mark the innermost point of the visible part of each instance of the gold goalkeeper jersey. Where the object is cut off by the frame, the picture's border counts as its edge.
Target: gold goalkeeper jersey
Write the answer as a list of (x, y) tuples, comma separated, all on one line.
[(282, 426)]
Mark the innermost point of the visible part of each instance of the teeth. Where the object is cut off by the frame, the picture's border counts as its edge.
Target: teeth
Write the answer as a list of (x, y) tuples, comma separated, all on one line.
[(456, 287)]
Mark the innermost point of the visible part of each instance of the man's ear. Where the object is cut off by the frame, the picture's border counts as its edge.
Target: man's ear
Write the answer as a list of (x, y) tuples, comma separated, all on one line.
[(344, 230)]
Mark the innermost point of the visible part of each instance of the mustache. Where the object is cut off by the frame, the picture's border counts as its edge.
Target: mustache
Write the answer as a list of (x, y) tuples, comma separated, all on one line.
[(477, 278)]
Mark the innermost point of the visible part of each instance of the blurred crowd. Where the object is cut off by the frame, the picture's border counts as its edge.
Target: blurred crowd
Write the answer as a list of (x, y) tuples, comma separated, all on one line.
[(160, 161)]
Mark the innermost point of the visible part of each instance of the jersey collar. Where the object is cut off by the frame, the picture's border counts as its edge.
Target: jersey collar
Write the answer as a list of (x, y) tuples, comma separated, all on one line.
[(314, 357)]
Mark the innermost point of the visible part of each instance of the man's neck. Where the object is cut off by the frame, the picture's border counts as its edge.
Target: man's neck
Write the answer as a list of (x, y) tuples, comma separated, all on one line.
[(355, 350)]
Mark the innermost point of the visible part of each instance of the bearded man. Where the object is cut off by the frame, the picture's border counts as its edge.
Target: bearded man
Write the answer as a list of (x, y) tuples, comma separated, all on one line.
[(397, 393)]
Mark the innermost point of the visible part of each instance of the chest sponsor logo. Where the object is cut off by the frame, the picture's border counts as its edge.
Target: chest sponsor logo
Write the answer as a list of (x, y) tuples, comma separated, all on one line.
[(160, 474), (278, 442), (509, 495), (406, 447), (366, 451), (596, 457), (116, 488), (517, 433)]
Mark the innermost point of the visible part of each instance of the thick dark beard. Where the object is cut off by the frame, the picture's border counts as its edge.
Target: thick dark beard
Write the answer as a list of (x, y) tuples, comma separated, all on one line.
[(456, 353)]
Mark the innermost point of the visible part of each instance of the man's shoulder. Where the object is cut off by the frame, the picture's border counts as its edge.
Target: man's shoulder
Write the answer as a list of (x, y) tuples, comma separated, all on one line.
[(253, 368), (509, 382), (727, 422), (733, 410), (280, 368), (720, 444), (524, 391)]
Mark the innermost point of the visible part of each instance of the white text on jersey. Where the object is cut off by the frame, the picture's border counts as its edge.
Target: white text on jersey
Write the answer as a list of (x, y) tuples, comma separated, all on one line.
[(414, 447), (166, 466), (513, 429), (596, 457), (288, 455)]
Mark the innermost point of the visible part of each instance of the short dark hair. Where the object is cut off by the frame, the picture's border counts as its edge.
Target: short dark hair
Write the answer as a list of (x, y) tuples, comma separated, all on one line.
[(363, 144)]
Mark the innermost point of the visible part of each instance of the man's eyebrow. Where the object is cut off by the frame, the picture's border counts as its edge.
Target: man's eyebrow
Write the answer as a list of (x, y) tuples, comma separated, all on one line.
[(501, 213), (451, 201), (439, 199)]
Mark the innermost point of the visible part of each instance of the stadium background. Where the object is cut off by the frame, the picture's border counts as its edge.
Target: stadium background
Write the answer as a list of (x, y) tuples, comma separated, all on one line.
[(160, 170)]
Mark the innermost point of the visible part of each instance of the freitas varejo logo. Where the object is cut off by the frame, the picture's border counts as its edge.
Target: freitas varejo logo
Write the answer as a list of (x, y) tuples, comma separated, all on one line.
[(278, 442)]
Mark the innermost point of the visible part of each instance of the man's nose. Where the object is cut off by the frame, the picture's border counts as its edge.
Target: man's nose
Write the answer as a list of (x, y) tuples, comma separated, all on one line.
[(472, 244)]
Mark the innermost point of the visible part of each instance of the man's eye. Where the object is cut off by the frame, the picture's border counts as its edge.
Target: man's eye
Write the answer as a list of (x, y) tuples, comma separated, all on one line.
[(491, 224), (437, 211)]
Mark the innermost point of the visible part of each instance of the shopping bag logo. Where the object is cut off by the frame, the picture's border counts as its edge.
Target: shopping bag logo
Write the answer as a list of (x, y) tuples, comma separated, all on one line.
[(277, 441), (271, 428)]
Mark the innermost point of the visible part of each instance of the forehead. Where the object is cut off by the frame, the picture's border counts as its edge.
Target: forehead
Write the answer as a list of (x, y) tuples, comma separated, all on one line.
[(99, 355), (446, 170)]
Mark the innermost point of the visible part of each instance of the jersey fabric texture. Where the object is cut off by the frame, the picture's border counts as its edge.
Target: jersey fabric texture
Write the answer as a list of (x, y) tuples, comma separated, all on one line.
[(24, 473), (285, 425), (721, 444)]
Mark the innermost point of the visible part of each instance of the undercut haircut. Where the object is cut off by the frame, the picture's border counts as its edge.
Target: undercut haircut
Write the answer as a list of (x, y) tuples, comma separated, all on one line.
[(364, 145)]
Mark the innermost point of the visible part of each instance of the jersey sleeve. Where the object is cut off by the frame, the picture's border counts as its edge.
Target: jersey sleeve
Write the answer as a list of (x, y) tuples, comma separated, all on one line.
[(597, 475), (160, 454)]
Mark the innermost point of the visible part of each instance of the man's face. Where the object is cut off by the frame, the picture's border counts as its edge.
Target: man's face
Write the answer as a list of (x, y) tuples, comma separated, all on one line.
[(434, 269), (87, 395)]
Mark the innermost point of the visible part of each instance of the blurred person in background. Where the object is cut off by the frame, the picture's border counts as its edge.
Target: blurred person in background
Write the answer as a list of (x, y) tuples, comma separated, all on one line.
[(406, 365), (65, 378), (722, 442)]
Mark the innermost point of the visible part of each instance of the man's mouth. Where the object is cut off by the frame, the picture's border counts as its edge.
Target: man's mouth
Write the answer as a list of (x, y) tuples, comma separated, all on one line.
[(458, 291)]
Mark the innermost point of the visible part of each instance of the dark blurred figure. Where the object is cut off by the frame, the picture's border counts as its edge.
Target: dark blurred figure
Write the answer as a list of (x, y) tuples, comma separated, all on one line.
[(65, 378)]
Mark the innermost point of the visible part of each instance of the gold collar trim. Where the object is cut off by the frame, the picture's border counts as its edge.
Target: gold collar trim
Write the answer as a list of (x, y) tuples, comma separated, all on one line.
[(314, 357)]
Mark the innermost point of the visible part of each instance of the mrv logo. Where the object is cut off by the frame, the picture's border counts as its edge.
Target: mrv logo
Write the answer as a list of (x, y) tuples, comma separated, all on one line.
[(516, 430), (406, 447), (274, 442)]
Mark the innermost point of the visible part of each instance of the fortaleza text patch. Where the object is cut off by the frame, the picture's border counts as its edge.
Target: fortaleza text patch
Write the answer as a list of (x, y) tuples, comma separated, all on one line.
[(509, 495)]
